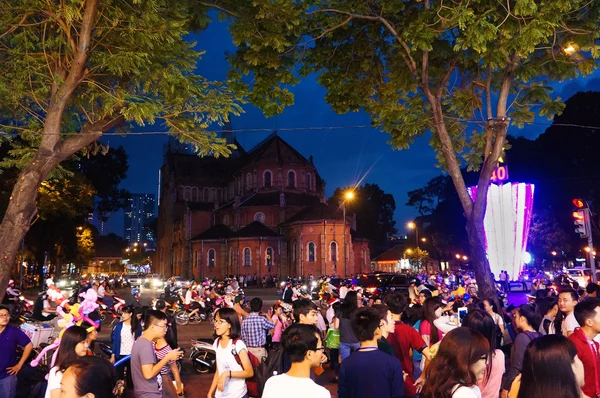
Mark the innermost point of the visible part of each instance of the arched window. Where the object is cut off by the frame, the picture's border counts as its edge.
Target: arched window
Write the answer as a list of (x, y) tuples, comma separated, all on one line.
[(333, 247), (226, 220), (247, 257), (211, 257), (268, 179), (259, 217), (269, 257), (205, 194), (311, 251), (248, 181), (291, 179), (308, 181)]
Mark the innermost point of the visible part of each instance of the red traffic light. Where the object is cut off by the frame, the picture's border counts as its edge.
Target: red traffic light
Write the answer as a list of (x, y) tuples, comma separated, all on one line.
[(580, 204)]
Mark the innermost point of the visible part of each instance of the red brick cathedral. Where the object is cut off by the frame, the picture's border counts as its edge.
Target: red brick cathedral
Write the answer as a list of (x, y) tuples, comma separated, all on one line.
[(259, 212)]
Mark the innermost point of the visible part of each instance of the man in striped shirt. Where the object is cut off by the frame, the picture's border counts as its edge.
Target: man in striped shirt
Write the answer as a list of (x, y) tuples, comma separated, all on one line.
[(255, 328)]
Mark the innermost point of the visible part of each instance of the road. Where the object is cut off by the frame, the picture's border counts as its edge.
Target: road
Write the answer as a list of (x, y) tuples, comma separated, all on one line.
[(199, 383)]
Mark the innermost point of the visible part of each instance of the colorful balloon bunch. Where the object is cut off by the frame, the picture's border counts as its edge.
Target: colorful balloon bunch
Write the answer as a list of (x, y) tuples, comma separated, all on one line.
[(76, 315)]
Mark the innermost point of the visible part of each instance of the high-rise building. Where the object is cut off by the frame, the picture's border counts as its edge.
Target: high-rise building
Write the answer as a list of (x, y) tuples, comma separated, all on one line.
[(104, 227), (138, 215)]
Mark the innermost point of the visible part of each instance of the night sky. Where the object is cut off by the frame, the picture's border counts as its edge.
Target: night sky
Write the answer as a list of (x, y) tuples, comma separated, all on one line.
[(342, 157)]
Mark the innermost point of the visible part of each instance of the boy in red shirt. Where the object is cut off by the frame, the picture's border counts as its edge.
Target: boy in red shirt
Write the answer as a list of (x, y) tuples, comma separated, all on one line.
[(587, 314), (403, 339)]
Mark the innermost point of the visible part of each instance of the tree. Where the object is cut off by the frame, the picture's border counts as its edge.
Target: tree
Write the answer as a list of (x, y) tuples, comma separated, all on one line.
[(418, 258), (374, 211), (547, 235), (426, 199), (74, 70), (85, 245), (462, 70)]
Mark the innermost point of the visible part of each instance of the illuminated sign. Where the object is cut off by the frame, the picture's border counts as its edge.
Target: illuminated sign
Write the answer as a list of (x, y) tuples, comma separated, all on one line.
[(500, 174)]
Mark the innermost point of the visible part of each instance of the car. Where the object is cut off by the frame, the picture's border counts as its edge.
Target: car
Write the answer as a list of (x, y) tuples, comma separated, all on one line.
[(65, 283), (581, 275), (380, 283), (180, 282), (154, 281), (135, 279)]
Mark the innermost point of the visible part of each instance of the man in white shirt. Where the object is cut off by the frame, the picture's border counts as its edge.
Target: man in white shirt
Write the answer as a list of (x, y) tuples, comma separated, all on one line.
[(303, 345), (567, 299), (344, 290)]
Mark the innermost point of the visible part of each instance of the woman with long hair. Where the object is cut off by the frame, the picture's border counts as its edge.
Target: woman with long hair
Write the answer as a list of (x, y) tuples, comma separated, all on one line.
[(481, 322), (458, 365), (73, 345), (432, 310), (548, 309), (491, 308), (123, 336), (527, 319), (348, 341), (281, 321), (233, 363), (551, 369)]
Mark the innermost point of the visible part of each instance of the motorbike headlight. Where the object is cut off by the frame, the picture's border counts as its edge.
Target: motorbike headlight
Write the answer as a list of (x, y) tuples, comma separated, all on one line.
[(314, 284), (62, 284), (303, 287), (282, 284), (21, 298)]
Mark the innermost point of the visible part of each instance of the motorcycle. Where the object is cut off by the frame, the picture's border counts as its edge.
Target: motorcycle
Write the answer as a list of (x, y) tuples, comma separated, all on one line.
[(203, 356), (107, 350), (183, 317)]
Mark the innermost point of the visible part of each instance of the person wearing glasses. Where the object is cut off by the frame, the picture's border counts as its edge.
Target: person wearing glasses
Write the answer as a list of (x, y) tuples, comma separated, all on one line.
[(145, 369), (11, 338), (303, 344), (233, 362)]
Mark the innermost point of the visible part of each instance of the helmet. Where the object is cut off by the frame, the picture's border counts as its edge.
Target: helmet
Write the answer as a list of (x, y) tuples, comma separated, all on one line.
[(135, 291), (49, 282), (11, 282)]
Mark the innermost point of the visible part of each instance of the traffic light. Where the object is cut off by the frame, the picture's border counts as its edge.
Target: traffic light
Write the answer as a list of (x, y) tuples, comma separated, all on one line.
[(580, 225), (580, 204)]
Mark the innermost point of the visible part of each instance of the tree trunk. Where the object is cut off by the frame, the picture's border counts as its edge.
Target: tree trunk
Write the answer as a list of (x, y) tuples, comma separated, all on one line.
[(483, 274), (21, 210)]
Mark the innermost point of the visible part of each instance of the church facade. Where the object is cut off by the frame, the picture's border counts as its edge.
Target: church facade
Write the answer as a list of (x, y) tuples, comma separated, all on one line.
[(261, 212)]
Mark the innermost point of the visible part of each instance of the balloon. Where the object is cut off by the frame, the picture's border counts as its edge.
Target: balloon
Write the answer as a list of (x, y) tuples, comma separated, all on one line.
[(466, 297)]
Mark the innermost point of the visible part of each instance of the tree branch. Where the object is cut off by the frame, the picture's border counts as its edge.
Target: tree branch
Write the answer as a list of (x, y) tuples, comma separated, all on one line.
[(88, 134), (218, 8), (410, 62), (15, 27), (446, 77)]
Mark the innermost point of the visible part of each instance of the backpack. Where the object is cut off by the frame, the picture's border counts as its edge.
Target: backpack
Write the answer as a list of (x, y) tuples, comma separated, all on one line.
[(251, 383), (272, 365)]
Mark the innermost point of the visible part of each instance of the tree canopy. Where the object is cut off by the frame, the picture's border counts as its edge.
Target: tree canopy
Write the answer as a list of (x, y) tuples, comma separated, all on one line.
[(74, 70), (463, 70)]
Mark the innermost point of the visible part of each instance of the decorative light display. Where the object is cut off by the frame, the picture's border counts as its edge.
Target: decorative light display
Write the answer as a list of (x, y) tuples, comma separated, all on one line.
[(506, 225)]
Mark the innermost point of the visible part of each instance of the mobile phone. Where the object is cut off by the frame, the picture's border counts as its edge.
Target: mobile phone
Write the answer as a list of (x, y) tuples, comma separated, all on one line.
[(462, 312)]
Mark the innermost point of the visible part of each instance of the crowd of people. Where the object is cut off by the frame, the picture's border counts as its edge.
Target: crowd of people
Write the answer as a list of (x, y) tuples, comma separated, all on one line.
[(426, 342)]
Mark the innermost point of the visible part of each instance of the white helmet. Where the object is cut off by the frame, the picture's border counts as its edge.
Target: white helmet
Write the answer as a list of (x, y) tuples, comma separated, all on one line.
[(49, 282), (11, 282)]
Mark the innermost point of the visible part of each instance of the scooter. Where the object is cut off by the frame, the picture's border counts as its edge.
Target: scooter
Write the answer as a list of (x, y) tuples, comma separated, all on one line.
[(203, 356)]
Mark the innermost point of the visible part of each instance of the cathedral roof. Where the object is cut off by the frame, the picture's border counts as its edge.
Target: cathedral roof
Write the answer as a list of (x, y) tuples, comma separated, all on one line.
[(274, 149), (254, 230), (320, 211), (219, 231)]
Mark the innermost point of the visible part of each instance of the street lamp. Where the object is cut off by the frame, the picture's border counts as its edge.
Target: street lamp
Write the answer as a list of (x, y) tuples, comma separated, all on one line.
[(413, 225), (349, 195), (465, 258), (553, 253), (457, 256)]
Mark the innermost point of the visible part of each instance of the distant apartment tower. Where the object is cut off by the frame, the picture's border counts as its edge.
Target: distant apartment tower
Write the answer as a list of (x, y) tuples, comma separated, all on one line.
[(104, 227), (138, 215)]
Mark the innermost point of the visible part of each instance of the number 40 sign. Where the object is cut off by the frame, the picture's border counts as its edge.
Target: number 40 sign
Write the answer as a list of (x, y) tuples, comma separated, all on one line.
[(500, 174)]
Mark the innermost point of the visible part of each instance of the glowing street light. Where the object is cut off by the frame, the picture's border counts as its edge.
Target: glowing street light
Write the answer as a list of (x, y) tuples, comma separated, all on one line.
[(413, 225), (408, 251), (553, 253), (457, 256), (349, 195), (465, 258), (423, 239), (587, 249)]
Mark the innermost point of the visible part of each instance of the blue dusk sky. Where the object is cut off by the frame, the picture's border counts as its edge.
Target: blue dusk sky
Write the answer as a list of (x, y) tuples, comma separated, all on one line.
[(342, 156)]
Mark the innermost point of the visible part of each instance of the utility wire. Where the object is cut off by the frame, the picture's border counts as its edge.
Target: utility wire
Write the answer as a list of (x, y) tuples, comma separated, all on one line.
[(318, 128)]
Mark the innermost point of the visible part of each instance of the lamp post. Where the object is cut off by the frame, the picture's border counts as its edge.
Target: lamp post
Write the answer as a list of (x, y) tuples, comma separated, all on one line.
[(347, 196), (413, 225)]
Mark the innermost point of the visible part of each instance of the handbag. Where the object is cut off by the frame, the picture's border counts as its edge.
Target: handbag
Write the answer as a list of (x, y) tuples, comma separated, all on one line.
[(332, 339)]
